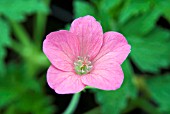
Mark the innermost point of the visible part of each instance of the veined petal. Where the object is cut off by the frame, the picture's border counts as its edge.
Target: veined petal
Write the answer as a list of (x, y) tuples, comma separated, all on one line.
[(106, 74), (90, 35), (64, 82), (61, 48), (116, 43)]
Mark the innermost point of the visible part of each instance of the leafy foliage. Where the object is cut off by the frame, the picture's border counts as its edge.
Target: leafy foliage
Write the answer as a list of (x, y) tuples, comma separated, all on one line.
[(108, 5), (18, 91), (15, 10), (18, 85), (4, 41), (18, 9), (151, 52), (132, 8), (145, 23), (83, 8), (163, 6), (159, 89)]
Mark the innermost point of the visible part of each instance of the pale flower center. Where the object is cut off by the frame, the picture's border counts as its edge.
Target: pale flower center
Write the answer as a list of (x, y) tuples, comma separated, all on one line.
[(82, 65)]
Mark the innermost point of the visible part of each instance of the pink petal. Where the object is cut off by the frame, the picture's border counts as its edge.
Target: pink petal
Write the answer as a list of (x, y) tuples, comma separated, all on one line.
[(106, 74), (90, 35), (116, 43), (64, 82), (61, 48)]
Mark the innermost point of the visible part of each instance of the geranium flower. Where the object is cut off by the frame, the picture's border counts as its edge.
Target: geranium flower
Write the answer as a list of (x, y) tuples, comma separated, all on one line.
[(84, 56)]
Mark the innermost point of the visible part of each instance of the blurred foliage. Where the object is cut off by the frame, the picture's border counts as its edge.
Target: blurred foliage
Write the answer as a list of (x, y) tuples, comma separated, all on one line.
[(159, 90), (146, 86), (18, 9), (15, 10), (20, 90), (22, 93), (4, 41)]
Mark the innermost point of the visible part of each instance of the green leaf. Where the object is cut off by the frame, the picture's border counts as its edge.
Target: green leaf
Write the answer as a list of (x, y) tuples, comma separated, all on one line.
[(129, 84), (95, 2), (108, 11), (158, 87), (4, 42), (141, 24), (132, 8), (4, 33), (7, 95), (2, 65), (67, 27), (40, 105), (151, 52), (163, 6), (82, 8), (13, 84), (17, 9), (107, 5), (31, 102), (113, 102), (106, 21)]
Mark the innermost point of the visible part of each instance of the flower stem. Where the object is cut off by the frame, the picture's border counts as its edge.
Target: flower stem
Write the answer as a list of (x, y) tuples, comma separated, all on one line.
[(73, 104), (40, 23), (20, 33)]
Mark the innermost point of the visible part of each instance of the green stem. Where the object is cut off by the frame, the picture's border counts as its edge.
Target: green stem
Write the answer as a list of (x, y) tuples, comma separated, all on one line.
[(20, 33), (16, 47), (141, 85), (73, 104), (40, 22)]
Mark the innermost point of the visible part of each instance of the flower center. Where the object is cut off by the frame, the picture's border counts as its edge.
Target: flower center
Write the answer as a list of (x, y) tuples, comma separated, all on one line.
[(82, 65)]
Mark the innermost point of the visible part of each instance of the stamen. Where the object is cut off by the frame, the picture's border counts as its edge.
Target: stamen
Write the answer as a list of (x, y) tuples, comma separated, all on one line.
[(82, 65)]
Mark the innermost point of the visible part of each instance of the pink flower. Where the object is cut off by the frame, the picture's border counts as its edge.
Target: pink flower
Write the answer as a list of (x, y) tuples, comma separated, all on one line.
[(84, 56)]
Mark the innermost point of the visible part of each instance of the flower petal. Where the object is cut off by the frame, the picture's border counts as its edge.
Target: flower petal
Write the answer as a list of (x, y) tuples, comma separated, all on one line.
[(106, 74), (64, 82), (61, 48), (116, 43), (90, 35)]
